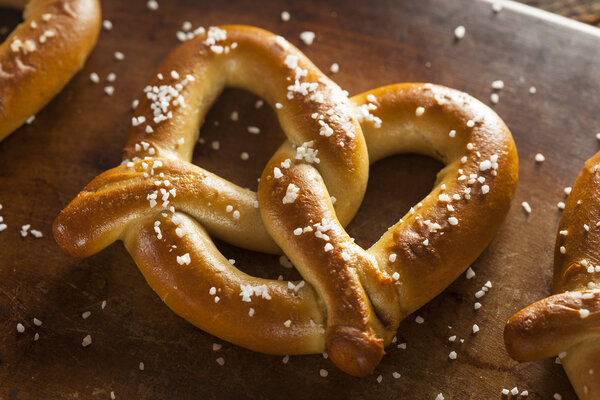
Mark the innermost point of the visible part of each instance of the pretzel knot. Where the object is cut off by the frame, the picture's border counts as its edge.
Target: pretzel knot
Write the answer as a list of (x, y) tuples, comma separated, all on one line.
[(567, 324), (351, 300)]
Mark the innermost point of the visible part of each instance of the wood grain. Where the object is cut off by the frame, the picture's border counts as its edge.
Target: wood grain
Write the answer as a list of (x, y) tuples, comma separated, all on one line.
[(587, 11), (81, 133)]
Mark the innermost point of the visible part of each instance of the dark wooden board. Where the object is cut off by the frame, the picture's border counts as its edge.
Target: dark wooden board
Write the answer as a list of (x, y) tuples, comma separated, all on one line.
[(81, 133)]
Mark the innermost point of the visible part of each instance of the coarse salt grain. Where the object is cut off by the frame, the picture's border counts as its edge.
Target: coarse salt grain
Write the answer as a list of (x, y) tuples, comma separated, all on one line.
[(86, 341), (307, 37), (470, 273), (459, 32), (498, 84), (526, 207), (184, 259)]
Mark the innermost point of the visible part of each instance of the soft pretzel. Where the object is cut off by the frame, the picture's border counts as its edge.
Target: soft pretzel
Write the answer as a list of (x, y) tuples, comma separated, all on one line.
[(568, 323), (42, 54), (351, 300)]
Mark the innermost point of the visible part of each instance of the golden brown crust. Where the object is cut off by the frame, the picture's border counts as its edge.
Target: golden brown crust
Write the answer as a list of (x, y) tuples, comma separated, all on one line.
[(428, 256), (552, 325), (581, 364), (42, 54), (357, 350), (352, 300), (568, 323), (579, 234)]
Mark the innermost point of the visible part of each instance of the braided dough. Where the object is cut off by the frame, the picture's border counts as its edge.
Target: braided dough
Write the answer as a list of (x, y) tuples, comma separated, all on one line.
[(42, 54), (351, 300), (568, 323)]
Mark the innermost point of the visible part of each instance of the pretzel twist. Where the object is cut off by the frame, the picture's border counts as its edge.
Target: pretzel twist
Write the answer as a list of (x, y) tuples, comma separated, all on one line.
[(42, 54), (351, 300), (568, 323)]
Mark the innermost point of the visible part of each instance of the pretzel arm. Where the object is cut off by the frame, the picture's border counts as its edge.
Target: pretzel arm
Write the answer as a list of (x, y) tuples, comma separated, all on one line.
[(553, 325), (42, 54), (430, 251), (309, 233), (99, 215), (257, 322)]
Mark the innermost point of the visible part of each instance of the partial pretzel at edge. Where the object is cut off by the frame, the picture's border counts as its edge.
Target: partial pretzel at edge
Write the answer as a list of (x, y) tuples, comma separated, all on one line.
[(568, 323), (42, 54)]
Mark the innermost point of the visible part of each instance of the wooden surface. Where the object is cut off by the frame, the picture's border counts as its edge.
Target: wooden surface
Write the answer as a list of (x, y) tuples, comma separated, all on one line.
[(81, 133)]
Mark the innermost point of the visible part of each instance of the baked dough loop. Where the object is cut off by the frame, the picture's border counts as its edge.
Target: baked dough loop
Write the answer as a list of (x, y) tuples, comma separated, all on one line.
[(568, 323), (351, 300), (42, 54)]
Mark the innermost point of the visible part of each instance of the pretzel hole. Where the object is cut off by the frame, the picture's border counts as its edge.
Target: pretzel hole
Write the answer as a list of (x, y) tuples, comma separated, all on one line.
[(234, 139), (395, 185)]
